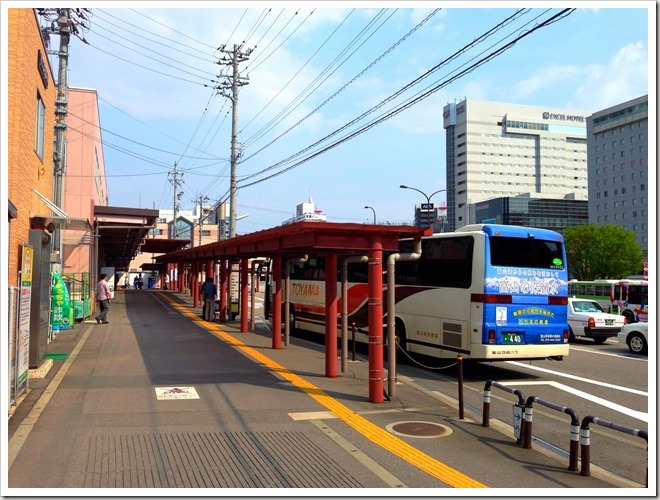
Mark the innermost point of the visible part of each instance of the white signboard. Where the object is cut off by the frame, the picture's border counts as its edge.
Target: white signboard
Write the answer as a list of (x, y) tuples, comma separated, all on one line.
[(25, 298)]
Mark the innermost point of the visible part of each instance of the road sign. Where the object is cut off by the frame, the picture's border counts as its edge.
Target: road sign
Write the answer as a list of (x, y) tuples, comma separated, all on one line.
[(517, 420)]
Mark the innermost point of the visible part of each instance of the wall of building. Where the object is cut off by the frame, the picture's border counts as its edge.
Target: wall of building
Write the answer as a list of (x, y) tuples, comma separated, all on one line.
[(84, 181), (501, 149), (26, 171), (618, 167)]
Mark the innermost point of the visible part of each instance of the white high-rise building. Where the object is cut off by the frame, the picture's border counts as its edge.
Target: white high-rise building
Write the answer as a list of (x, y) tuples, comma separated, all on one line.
[(618, 167), (499, 149)]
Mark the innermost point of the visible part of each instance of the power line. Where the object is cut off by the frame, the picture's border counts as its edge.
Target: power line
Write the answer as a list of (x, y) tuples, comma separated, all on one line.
[(398, 93), (415, 100)]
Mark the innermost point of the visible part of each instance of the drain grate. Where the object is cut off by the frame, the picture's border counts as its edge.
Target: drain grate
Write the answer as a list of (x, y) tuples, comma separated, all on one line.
[(212, 460), (419, 429)]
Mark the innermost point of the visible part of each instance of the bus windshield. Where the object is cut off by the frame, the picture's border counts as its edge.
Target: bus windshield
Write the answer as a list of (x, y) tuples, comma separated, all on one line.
[(527, 252)]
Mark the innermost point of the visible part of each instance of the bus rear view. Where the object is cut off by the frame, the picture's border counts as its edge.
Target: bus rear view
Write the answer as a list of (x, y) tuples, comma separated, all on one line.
[(522, 307)]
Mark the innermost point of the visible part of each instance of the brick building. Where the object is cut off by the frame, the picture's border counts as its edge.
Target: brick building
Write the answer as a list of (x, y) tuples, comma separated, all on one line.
[(31, 93)]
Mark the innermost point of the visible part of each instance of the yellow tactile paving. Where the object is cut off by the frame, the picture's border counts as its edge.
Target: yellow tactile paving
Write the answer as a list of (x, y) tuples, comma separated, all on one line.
[(381, 437)]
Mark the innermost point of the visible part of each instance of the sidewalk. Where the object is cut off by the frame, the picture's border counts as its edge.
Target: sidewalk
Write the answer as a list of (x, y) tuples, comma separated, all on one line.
[(159, 398)]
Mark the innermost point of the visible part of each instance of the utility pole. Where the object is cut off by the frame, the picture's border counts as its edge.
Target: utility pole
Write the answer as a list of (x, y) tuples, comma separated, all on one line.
[(59, 161), (200, 219), (176, 181), (64, 22), (233, 82)]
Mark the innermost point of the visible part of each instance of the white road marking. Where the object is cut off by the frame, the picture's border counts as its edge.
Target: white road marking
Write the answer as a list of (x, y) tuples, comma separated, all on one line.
[(644, 417), (581, 379), (625, 355)]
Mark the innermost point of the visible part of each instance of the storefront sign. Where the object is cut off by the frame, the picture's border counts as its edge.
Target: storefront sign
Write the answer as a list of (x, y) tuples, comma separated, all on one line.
[(43, 70)]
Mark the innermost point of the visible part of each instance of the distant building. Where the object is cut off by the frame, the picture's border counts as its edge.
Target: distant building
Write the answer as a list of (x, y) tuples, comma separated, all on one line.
[(307, 211), (187, 228), (544, 213), (617, 143), (431, 215), (496, 150)]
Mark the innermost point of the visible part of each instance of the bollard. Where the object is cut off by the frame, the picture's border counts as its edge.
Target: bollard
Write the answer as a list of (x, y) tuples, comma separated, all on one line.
[(353, 339), (486, 407), (461, 405), (527, 427), (585, 450)]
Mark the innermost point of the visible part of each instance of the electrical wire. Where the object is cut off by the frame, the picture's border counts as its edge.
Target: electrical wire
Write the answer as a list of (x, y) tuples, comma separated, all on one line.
[(416, 100)]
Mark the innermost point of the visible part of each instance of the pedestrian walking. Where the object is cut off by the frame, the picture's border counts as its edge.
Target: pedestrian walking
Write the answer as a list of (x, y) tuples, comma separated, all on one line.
[(209, 292), (103, 298)]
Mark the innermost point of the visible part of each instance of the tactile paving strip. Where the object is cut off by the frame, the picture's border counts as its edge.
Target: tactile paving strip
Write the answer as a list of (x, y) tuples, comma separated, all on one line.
[(211, 460)]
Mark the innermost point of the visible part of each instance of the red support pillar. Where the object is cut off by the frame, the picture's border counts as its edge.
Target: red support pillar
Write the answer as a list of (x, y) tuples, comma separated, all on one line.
[(194, 284), (331, 315), (277, 303), (180, 277), (208, 268), (375, 310), (244, 295), (224, 278)]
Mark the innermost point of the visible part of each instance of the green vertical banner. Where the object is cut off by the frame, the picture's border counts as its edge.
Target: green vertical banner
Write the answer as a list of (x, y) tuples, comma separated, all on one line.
[(60, 309)]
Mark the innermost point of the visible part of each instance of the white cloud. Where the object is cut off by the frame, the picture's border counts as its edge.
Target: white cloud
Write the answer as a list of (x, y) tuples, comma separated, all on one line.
[(623, 78), (544, 78), (591, 87)]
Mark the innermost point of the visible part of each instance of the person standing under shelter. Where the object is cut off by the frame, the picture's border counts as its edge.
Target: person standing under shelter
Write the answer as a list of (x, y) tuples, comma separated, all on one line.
[(209, 292), (103, 298)]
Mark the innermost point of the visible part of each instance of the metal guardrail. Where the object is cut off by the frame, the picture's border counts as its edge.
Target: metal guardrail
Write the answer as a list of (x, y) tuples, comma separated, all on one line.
[(486, 404), (585, 441), (575, 428), (580, 436)]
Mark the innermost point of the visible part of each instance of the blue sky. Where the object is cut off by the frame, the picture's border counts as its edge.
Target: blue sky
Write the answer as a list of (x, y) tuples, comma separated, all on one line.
[(309, 77)]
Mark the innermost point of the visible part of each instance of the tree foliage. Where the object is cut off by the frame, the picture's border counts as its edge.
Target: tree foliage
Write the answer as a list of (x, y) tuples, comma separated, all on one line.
[(602, 252)]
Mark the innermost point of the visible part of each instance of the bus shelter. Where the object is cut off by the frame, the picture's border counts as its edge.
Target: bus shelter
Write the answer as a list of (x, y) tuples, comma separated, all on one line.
[(291, 242)]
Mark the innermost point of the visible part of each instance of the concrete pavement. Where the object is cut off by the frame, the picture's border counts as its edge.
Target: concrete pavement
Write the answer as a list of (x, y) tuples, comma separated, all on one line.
[(159, 398)]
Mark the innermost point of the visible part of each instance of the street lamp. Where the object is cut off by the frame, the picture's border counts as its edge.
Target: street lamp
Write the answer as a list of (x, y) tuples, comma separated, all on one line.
[(428, 197), (373, 210)]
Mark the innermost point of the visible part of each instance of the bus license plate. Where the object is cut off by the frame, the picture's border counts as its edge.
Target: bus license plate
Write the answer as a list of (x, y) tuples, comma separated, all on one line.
[(512, 338)]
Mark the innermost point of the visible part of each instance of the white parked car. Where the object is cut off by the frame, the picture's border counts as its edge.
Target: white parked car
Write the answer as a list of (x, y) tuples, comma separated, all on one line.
[(587, 318), (636, 337)]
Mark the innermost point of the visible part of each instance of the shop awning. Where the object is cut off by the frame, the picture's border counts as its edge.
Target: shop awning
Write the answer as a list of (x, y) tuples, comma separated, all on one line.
[(51, 222)]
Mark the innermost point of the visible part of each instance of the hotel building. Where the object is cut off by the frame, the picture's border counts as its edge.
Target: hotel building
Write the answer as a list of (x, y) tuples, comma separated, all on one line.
[(497, 150)]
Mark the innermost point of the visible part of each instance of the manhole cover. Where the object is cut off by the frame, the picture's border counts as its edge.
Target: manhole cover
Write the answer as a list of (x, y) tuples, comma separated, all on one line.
[(419, 429)]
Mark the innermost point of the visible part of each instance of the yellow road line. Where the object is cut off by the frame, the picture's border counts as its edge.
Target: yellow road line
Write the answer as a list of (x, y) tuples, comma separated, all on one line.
[(379, 436)]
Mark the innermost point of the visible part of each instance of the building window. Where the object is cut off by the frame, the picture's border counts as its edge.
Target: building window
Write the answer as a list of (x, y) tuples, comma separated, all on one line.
[(39, 128)]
